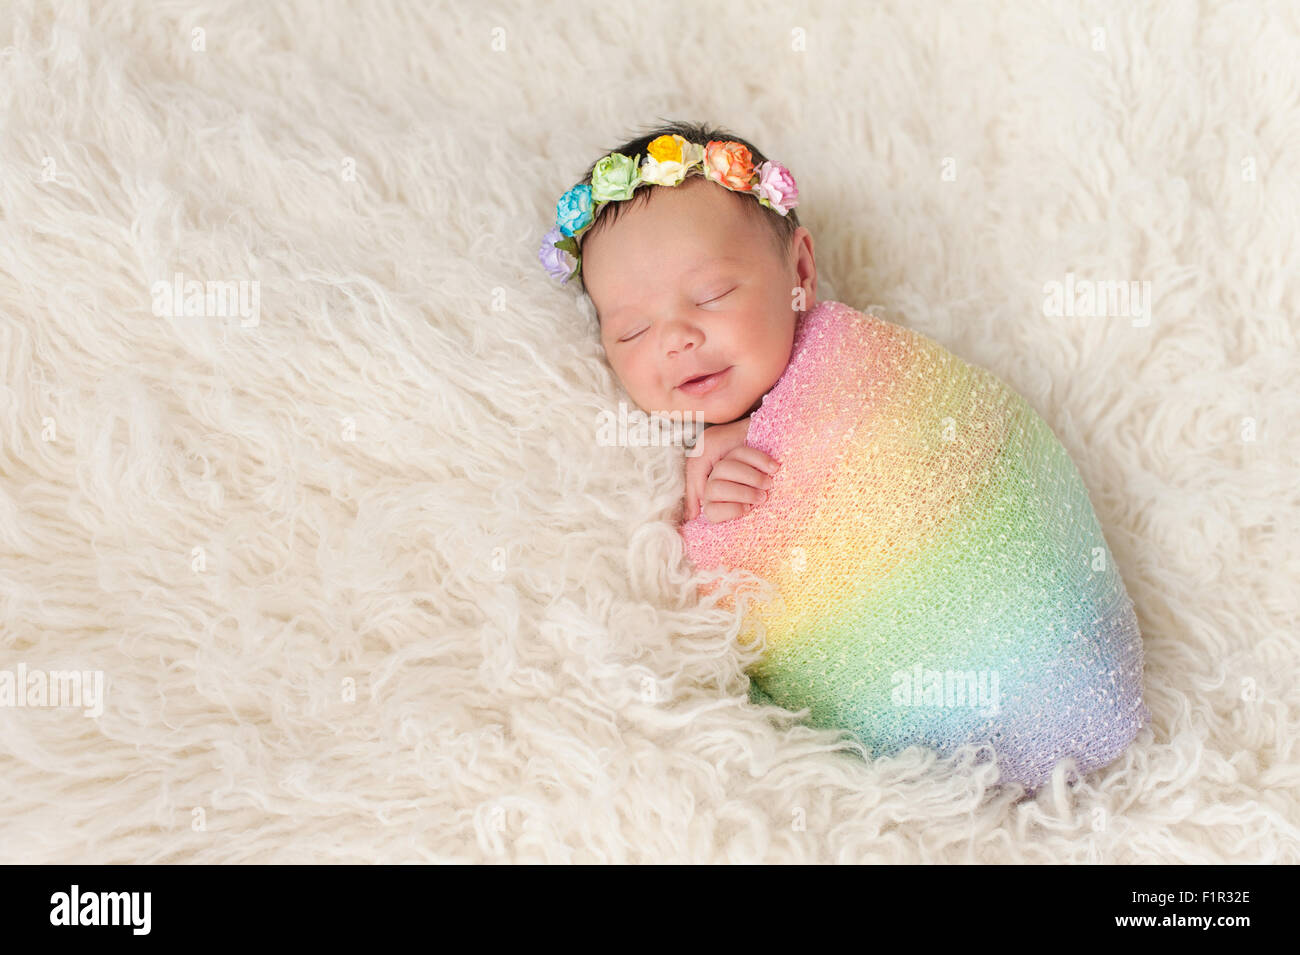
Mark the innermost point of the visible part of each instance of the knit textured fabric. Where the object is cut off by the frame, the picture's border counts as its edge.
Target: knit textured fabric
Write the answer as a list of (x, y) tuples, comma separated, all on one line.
[(939, 575)]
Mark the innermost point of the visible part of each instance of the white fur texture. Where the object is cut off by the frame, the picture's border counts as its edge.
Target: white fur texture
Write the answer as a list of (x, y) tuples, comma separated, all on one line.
[(394, 477)]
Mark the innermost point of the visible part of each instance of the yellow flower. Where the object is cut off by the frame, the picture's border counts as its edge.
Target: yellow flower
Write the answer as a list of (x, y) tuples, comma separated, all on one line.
[(669, 159), (666, 148)]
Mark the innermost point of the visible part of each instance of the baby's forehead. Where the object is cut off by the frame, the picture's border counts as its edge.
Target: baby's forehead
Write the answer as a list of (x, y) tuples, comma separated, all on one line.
[(702, 264), (703, 207), (676, 247)]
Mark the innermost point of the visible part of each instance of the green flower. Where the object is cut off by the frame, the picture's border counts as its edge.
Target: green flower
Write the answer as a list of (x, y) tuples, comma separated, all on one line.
[(614, 178)]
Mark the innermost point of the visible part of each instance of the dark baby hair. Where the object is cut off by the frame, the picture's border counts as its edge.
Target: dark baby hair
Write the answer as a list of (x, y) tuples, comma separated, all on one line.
[(781, 227)]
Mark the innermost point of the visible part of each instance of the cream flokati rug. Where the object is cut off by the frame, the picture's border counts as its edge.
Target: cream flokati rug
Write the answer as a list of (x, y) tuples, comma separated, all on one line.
[(332, 523)]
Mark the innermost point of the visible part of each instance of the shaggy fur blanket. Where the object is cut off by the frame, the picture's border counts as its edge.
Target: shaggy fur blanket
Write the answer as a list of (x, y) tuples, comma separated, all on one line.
[(355, 575)]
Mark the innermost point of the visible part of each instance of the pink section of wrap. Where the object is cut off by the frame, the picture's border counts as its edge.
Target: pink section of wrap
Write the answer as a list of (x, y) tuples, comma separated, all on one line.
[(830, 335)]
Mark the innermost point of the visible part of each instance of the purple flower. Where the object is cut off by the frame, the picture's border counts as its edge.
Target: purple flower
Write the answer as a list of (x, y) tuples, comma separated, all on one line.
[(556, 261)]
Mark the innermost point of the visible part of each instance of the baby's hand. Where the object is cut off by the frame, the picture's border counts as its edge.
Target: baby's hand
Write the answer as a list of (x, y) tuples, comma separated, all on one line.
[(727, 478)]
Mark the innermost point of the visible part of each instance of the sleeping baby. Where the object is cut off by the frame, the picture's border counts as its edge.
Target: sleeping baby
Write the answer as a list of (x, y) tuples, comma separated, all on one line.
[(939, 577)]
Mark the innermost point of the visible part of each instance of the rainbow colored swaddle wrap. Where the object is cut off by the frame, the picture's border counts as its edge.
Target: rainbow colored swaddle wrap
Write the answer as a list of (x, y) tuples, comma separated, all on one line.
[(940, 576)]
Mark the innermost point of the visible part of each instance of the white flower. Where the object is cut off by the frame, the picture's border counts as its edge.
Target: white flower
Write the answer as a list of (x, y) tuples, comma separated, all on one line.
[(668, 172)]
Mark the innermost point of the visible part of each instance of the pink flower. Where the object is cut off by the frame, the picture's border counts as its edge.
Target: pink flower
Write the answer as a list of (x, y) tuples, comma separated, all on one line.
[(776, 188)]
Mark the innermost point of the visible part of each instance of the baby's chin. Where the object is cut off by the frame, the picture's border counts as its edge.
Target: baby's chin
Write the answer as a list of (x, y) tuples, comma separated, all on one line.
[(711, 412), (733, 401)]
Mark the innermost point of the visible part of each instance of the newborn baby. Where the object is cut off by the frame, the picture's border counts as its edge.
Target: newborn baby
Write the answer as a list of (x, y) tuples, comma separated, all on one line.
[(697, 290), (940, 576)]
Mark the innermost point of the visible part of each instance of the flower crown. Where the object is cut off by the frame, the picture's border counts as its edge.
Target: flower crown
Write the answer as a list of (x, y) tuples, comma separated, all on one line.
[(669, 160)]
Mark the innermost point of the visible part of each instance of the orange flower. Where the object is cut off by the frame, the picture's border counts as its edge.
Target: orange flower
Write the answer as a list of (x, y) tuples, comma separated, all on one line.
[(730, 164)]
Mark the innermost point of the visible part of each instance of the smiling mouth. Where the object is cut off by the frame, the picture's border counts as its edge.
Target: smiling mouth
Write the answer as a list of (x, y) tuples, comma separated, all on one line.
[(704, 383)]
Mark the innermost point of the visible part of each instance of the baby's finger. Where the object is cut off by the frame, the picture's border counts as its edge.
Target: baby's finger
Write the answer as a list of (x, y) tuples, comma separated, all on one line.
[(716, 513), (700, 490), (731, 470), (731, 492), (754, 457)]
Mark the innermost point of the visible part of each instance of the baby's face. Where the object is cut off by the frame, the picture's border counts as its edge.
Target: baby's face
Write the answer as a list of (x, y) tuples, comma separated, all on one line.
[(686, 285)]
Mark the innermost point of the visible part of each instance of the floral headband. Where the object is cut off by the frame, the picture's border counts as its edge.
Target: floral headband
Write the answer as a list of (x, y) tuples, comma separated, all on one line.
[(669, 160)]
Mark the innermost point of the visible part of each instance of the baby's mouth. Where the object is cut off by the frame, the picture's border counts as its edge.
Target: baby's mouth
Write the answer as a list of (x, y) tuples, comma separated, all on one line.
[(703, 384)]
